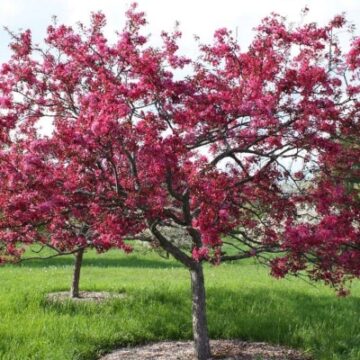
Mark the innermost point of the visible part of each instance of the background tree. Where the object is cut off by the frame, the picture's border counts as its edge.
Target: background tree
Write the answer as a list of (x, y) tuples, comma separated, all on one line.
[(40, 203), (38, 207), (136, 146)]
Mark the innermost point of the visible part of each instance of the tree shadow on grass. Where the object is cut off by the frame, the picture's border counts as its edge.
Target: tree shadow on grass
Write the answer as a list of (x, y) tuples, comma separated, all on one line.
[(130, 261), (326, 325)]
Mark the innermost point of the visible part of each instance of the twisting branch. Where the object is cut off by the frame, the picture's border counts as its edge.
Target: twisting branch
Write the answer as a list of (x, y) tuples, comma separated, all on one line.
[(169, 185), (59, 253), (170, 248)]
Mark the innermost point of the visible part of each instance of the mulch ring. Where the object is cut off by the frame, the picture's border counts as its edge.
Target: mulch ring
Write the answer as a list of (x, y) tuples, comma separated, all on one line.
[(221, 349), (90, 296)]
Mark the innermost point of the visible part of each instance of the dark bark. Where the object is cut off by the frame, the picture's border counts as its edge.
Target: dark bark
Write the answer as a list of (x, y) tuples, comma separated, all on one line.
[(177, 253), (199, 321), (74, 291)]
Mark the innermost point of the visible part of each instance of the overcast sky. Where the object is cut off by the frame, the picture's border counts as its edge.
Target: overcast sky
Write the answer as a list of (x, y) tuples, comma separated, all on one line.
[(199, 17)]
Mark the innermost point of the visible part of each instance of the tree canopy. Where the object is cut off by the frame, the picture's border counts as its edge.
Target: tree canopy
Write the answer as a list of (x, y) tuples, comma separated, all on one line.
[(135, 145)]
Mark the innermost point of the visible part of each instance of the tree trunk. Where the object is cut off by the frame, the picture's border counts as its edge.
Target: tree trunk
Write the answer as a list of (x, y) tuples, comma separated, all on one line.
[(200, 329), (74, 291)]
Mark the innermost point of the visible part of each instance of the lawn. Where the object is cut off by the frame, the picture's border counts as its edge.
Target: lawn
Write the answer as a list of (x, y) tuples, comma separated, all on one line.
[(243, 302)]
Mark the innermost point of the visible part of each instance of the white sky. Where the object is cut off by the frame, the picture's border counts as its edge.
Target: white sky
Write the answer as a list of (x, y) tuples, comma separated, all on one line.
[(199, 17)]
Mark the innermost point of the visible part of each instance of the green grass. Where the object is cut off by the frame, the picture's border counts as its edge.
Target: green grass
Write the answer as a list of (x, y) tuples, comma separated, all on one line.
[(243, 302)]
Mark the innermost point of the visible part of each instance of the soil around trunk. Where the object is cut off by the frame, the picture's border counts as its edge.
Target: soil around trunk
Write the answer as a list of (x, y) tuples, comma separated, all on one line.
[(84, 296), (221, 349)]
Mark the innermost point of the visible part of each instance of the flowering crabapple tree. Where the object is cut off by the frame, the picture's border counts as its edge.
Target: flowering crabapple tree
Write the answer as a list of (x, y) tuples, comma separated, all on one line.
[(39, 206), (43, 199), (135, 146)]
